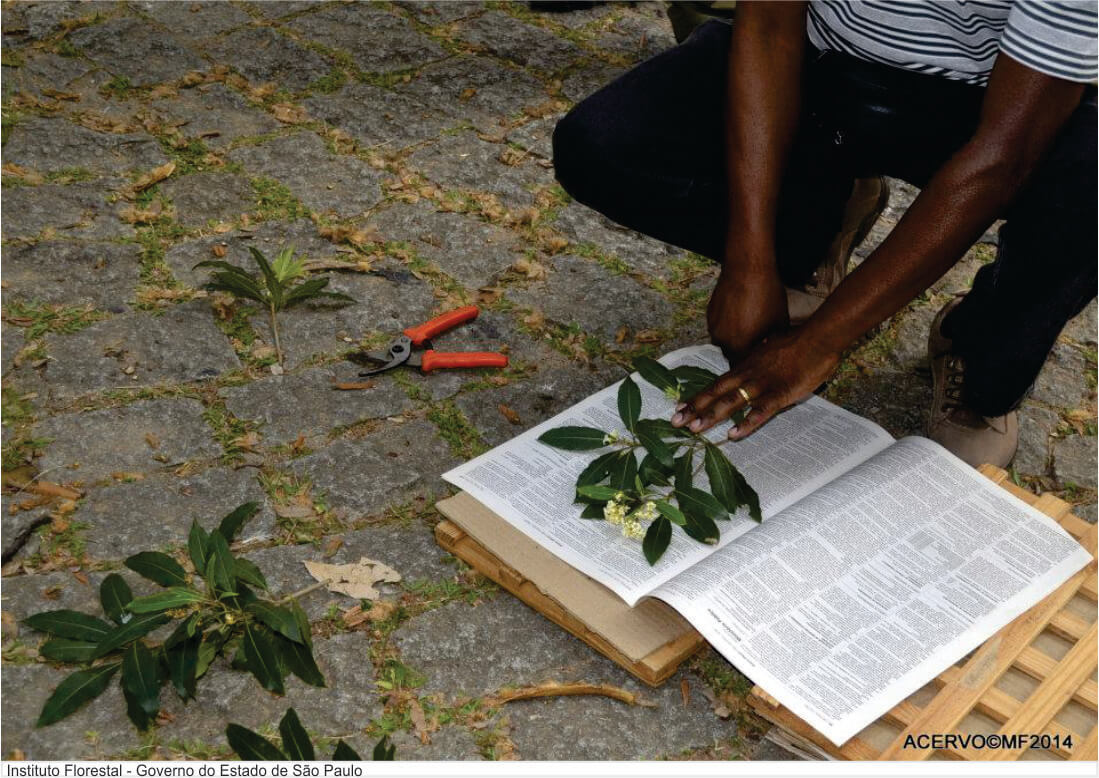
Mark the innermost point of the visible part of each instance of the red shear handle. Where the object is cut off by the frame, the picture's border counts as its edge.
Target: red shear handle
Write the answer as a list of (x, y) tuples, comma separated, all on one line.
[(429, 329), (433, 360)]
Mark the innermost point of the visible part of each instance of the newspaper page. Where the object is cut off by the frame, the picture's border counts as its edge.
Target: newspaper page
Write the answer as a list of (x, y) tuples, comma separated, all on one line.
[(532, 485), (854, 597)]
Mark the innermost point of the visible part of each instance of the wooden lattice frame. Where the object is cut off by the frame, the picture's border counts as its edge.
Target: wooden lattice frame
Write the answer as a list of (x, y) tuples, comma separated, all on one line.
[(1036, 676)]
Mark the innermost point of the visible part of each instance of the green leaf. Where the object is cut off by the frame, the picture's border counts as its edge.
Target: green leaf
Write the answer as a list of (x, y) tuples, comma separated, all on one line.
[(184, 630), (623, 472), (298, 658), (650, 439), (295, 740), (656, 374), (69, 624), (671, 512), (219, 566), (157, 567), (684, 471), (232, 523), (596, 492), (345, 753), (263, 663), (114, 596), (212, 644), (664, 428), (597, 469), (141, 624), (629, 402), (274, 286), (74, 691), (281, 620), (383, 750), (233, 279), (652, 472), (197, 541), (141, 680), (183, 666), (748, 496), (311, 289), (286, 267), (574, 438), (67, 650), (693, 380), (592, 510), (251, 747), (172, 597), (702, 503), (135, 713), (701, 528), (247, 572), (722, 477), (657, 538)]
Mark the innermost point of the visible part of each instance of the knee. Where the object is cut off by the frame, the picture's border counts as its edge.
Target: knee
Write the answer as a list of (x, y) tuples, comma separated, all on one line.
[(579, 142)]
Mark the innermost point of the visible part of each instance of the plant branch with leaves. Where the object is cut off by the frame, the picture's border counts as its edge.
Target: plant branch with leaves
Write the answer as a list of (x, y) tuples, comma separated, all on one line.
[(647, 498), (268, 638), (274, 288)]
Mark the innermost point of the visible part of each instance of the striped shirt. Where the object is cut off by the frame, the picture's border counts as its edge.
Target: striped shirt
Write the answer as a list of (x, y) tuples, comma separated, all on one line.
[(960, 40)]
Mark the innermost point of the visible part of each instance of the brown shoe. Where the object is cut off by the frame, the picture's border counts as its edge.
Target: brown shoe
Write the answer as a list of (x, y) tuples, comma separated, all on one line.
[(971, 437), (867, 201)]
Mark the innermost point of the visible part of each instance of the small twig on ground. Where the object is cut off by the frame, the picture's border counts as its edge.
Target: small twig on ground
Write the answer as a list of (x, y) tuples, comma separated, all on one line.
[(555, 689)]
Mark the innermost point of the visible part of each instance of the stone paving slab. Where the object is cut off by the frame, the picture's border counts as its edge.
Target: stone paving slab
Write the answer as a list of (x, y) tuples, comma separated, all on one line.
[(436, 12), (654, 258), (194, 21), (56, 144), (36, 21), (121, 514), (549, 391), (524, 44), (447, 745), (212, 112), (204, 199), (410, 549), (579, 291), (1074, 460), (463, 161), (90, 446), (378, 118), (449, 645), (103, 274), (472, 252), (263, 55), (477, 90), (318, 407), (73, 211), (137, 51), (344, 187), (182, 344), (393, 466), (378, 40)]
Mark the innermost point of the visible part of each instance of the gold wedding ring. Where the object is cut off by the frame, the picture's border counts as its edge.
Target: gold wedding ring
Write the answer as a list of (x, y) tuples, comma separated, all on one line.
[(744, 393)]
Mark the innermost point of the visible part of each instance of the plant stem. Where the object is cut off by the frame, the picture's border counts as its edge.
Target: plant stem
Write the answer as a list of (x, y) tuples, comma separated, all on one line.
[(275, 332), (302, 592)]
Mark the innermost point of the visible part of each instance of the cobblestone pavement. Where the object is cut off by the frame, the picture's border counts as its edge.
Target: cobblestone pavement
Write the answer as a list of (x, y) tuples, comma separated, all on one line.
[(406, 146)]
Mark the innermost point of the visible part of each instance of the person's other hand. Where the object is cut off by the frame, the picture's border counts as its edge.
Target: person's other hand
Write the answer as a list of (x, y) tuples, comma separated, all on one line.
[(775, 374), (744, 309)]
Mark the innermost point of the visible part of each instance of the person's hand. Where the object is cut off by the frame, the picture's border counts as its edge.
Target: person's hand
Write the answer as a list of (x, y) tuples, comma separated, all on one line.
[(774, 375), (744, 309)]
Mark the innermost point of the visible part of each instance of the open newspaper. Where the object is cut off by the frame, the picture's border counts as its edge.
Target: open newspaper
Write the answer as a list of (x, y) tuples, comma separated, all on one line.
[(879, 562)]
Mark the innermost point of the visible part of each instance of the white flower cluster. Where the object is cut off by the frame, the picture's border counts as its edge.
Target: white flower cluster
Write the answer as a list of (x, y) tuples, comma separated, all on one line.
[(615, 512)]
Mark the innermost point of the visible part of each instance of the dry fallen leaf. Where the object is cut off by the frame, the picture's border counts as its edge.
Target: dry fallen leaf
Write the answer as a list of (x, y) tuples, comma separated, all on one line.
[(152, 440), (685, 691), (294, 511), (555, 689), (419, 721), (219, 250), (356, 579), (289, 114), (531, 268), (28, 175), (348, 386), (246, 442), (467, 93), (510, 414), (379, 610), (648, 336), (622, 333), (332, 546), (154, 176)]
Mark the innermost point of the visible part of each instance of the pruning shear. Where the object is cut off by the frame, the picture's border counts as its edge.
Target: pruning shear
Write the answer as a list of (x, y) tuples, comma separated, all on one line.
[(401, 349)]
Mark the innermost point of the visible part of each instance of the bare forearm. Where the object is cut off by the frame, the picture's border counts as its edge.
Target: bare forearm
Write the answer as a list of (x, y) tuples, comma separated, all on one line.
[(1023, 112), (763, 98)]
